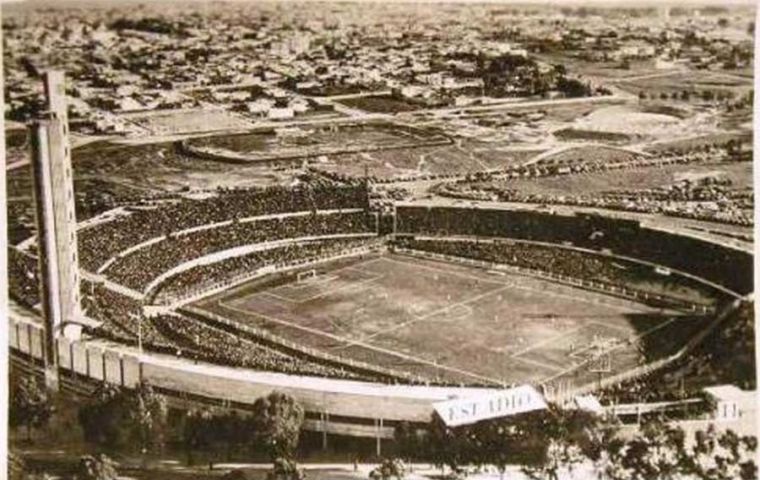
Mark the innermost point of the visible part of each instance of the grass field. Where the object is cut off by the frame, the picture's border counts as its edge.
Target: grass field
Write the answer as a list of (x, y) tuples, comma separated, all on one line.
[(692, 80), (452, 322), (412, 162), (740, 175), (187, 121)]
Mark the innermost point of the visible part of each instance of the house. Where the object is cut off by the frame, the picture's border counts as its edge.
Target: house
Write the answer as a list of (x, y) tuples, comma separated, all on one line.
[(281, 113), (732, 403)]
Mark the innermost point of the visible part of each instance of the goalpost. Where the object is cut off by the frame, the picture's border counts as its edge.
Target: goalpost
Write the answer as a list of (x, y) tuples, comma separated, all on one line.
[(305, 275)]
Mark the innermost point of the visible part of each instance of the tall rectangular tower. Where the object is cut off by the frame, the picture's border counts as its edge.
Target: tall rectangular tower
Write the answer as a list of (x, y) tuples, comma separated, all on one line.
[(56, 219)]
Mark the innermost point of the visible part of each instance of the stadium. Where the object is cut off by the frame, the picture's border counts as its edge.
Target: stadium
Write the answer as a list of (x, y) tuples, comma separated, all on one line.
[(367, 314)]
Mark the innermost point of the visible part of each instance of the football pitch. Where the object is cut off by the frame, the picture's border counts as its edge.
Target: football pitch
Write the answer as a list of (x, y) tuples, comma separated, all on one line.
[(456, 323)]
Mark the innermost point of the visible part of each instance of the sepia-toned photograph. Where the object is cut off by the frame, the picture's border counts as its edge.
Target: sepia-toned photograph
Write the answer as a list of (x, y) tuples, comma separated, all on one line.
[(406, 240)]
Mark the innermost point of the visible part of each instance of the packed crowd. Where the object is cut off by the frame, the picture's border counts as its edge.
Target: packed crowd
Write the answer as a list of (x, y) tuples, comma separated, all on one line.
[(197, 340), (725, 357), (123, 321), (23, 281), (120, 316), (609, 272), (102, 241), (729, 267), (526, 255), (203, 277), (137, 269)]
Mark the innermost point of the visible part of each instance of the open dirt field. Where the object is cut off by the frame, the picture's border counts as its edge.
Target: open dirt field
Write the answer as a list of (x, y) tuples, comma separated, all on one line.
[(456, 323), (740, 175)]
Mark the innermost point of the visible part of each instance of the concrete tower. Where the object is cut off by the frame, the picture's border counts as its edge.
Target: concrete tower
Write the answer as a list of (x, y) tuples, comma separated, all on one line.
[(56, 219)]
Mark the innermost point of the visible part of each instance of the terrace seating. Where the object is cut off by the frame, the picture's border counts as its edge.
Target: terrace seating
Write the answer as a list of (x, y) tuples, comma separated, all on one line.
[(721, 265), (100, 242), (137, 269), (203, 277), (23, 278)]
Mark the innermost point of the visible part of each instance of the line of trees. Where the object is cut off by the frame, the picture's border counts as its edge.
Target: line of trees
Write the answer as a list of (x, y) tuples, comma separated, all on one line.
[(29, 405), (115, 419), (553, 443), (545, 444), (122, 419)]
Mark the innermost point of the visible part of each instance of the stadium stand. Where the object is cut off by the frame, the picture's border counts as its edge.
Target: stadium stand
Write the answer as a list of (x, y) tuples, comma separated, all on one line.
[(568, 262), (203, 277), (624, 237), (23, 279), (102, 241), (138, 268)]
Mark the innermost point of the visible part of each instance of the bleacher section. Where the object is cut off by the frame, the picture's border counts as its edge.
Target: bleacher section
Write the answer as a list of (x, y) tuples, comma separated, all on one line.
[(722, 265)]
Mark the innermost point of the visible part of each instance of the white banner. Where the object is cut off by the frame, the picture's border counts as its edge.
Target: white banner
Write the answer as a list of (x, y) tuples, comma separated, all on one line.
[(464, 411)]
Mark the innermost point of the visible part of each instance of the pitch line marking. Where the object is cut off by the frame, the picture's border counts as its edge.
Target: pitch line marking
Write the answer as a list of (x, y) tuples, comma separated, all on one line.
[(444, 271), (349, 286), (386, 351), (546, 366), (613, 327), (545, 341), (595, 301), (228, 293), (428, 315), (308, 283)]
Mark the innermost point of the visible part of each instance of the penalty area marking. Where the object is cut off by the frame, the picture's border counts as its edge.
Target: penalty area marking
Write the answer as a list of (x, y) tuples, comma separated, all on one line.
[(328, 291), (616, 347)]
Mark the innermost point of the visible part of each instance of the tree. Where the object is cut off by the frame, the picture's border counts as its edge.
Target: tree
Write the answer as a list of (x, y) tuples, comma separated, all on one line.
[(119, 417), (408, 442), (29, 405), (604, 447), (451, 447), (196, 432), (656, 452), (98, 467), (104, 419), (148, 412), (278, 419), (566, 436), (286, 469), (721, 456), (389, 468)]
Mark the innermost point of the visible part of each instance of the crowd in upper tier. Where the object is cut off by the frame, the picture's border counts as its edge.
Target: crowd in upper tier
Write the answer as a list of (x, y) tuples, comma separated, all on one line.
[(102, 241), (23, 279), (137, 269)]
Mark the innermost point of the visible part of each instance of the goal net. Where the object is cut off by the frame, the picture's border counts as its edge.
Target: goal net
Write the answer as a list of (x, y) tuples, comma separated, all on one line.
[(305, 275), (601, 363)]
